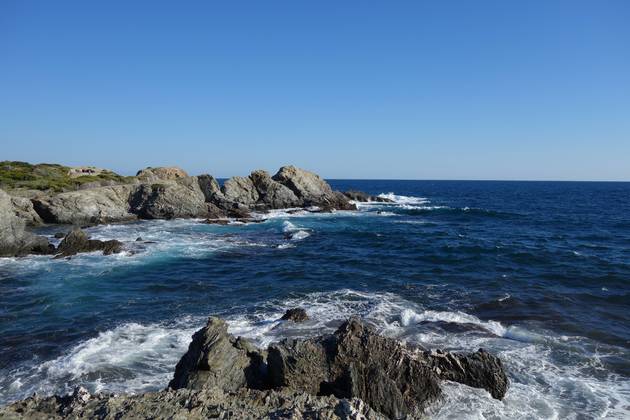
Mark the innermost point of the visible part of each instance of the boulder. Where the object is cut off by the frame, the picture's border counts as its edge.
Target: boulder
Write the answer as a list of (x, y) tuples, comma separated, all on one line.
[(23, 208), (272, 194), (217, 359), (93, 206), (167, 173), (78, 241), (356, 362), (311, 188), (209, 187), (240, 190), (14, 239), (479, 370), (295, 315), (169, 200)]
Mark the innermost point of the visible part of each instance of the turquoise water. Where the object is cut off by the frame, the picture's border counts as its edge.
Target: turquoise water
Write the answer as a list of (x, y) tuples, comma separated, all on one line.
[(538, 273)]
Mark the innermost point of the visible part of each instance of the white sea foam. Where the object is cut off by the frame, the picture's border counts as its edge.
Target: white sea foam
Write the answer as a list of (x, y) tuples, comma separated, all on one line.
[(548, 379), (403, 199), (294, 232), (130, 358)]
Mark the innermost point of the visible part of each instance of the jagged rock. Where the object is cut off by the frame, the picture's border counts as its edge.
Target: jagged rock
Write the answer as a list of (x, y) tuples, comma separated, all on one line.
[(240, 190), (209, 187), (311, 189), (93, 206), (166, 173), (295, 315), (169, 200), (479, 370), (364, 198), (272, 194), (78, 241), (356, 362), (192, 404), (23, 208), (217, 359), (14, 239)]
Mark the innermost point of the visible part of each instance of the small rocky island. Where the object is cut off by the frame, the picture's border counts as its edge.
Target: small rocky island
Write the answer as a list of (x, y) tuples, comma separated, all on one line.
[(354, 373), (52, 194)]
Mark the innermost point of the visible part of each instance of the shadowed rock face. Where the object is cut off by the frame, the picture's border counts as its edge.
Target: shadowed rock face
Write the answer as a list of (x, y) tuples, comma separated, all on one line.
[(354, 362), (14, 240)]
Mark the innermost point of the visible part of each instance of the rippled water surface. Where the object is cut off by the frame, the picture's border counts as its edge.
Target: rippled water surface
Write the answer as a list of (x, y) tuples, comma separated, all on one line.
[(538, 273)]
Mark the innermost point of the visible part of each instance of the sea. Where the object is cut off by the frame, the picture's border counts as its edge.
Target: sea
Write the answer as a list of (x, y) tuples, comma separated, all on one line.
[(537, 273)]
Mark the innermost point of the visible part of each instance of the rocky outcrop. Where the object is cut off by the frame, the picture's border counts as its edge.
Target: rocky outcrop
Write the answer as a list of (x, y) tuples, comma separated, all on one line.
[(352, 374), (311, 188), (295, 315), (168, 173), (354, 362), (14, 239), (169, 200), (78, 241), (357, 362), (192, 404), (217, 359), (240, 190), (93, 206), (272, 194), (23, 208)]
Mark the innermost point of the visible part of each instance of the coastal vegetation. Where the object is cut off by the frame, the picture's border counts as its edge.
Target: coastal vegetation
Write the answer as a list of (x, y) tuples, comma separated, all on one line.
[(53, 177)]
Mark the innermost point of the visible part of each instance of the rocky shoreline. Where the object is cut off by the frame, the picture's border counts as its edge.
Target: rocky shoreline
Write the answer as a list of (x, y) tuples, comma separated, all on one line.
[(354, 373), (162, 193)]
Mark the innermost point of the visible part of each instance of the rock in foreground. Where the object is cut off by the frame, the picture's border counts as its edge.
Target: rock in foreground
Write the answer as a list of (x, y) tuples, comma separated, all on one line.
[(351, 374)]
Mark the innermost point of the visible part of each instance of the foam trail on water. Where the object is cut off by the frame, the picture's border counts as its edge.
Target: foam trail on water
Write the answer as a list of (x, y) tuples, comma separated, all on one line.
[(294, 232)]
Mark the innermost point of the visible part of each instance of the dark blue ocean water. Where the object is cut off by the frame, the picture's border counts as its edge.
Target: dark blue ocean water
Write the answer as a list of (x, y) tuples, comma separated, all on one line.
[(537, 272)]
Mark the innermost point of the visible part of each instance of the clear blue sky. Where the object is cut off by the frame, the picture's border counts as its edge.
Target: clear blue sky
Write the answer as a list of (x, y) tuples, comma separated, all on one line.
[(350, 89)]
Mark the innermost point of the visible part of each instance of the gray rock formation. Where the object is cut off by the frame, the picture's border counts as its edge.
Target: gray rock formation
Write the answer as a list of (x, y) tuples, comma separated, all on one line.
[(272, 194), (78, 241), (217, 359), (94, 206), (167, 173), (192, 404), (310, 188), (240, 190), (355, 362), (14, 239), (295, 315), (23, 208), (169, 200), (351, 374)]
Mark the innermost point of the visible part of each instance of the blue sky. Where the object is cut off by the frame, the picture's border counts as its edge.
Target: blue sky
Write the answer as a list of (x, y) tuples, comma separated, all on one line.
[(352, 89)]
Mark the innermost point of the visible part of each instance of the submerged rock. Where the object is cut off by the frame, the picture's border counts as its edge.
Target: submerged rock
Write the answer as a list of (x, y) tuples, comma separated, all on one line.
[(295, 315), (364, 198), (78, 241)]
